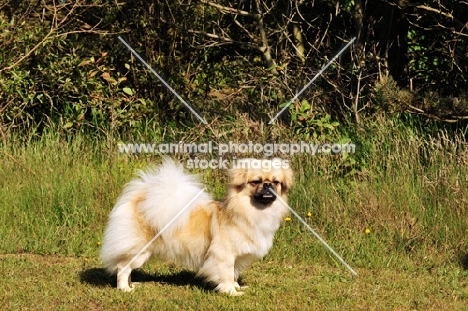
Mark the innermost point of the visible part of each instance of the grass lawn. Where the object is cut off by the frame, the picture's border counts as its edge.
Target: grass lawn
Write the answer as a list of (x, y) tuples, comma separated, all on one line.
[(398, 215), (52, 282)]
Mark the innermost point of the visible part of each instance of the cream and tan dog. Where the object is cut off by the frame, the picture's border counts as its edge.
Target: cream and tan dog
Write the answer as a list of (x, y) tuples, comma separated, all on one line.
[(218, 239)]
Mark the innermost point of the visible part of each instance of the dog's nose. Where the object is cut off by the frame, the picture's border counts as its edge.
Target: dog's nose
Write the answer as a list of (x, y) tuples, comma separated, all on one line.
[(268, 189), (266, 194)]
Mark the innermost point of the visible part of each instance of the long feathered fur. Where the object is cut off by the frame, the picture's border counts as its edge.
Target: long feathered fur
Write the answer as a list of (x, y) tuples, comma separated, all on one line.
[(149, 202), (219, 239)]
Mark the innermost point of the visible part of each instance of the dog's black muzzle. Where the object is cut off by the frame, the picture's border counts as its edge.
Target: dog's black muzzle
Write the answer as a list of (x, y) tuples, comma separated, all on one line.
[(265, 195)]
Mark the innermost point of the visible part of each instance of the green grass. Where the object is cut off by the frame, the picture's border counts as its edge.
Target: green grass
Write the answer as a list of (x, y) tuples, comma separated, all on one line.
[(407, 187), (52, 282)]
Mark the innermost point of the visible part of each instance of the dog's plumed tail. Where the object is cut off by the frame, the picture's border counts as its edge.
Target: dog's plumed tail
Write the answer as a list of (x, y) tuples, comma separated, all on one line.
[(147, 205)]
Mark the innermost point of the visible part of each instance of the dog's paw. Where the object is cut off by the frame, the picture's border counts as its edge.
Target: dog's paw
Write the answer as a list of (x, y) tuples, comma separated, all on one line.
[(238, 287), (232, 293), (230, 289), (128, 288), (236, 293)]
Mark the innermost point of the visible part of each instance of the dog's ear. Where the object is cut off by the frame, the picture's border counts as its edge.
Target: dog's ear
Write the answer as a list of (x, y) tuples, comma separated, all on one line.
[(238, 176), (239, 173), (287, 181)]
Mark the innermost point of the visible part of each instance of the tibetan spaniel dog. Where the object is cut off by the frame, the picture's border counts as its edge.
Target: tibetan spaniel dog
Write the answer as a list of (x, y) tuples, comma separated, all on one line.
[(165, 212)]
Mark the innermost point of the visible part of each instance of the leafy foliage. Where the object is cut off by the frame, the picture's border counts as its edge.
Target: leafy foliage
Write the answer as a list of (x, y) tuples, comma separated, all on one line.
[(224, 57)]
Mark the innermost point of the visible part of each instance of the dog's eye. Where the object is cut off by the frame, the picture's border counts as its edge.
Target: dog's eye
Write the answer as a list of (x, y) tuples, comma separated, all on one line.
[(256, 182), (276, 182)]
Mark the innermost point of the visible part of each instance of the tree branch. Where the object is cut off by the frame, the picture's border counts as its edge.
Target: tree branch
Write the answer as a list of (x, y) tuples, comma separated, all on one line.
[(427, 8), (264, 48), (225, 39), (55, 27), (230, 10), (271, 64)]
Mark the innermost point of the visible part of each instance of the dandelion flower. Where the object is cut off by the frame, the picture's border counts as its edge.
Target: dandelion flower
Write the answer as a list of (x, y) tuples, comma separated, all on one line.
[(309, 214), (367, 230), (99, 243), (287, 219)]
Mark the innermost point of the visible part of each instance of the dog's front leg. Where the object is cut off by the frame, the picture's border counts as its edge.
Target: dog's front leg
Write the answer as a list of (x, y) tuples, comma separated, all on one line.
[(219, 269), (227, 278)]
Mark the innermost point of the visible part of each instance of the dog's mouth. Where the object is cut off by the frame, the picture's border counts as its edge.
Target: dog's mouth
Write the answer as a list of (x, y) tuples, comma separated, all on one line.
[(265, 195)]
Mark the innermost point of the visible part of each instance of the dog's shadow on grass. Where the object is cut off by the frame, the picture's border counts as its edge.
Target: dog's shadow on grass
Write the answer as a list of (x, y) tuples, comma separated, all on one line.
[(99, 277), (463, 259)]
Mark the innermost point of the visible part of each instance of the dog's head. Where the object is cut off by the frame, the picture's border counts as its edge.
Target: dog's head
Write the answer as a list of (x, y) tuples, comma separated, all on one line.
[(261, 180)]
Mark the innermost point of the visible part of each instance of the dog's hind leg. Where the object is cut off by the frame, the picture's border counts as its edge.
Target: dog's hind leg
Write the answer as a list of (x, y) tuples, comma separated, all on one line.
[(123, 279), (124, 271)]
